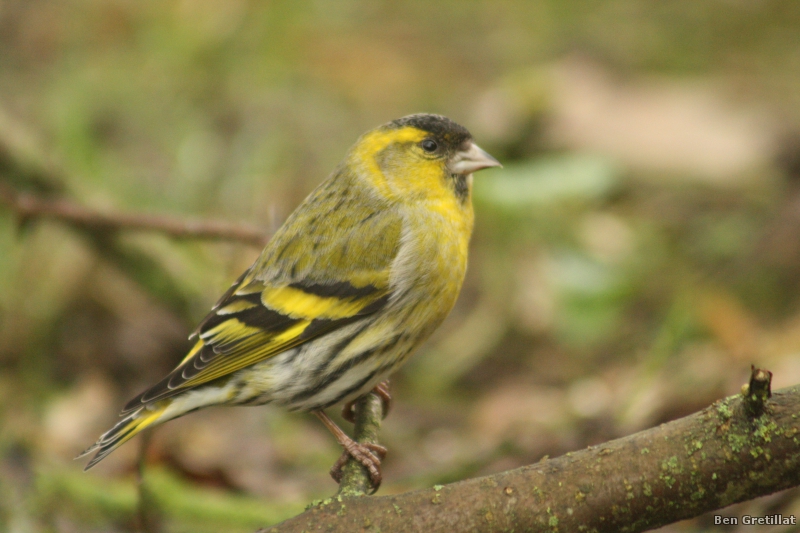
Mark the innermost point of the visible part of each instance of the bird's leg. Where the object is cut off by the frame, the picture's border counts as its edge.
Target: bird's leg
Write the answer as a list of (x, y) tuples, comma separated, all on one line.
[(382, 391), (368, 454)]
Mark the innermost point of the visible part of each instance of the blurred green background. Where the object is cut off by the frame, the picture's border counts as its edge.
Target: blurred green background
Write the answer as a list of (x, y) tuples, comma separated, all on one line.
[(636, 254)]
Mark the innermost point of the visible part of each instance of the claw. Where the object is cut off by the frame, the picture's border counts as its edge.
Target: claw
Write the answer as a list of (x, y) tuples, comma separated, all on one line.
[(368, 454)]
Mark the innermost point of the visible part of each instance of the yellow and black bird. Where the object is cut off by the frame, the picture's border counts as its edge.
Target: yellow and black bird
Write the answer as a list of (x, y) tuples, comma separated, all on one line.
[(358, 276)]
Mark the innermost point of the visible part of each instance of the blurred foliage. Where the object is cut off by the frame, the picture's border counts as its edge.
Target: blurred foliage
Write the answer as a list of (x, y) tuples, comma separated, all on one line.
[(638, 251)]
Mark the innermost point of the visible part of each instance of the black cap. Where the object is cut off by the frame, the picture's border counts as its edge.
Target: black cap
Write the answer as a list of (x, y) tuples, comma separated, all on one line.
[(441, 128)]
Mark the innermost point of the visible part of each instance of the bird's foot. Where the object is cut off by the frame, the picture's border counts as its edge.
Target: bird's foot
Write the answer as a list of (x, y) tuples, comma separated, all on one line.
[(368, 454), (370, 457)]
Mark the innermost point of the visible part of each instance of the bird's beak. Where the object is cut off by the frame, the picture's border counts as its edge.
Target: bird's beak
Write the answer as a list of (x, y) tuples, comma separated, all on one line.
[(471, 160)]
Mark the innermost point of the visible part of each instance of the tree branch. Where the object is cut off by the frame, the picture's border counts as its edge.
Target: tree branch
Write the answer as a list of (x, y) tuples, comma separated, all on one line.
[(29, 206), (722, 455)]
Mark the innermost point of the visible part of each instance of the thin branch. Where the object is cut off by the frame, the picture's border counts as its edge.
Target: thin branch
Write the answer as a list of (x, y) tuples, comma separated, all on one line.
[(24, 165), (29, 206), (714, 458), (368, 416)]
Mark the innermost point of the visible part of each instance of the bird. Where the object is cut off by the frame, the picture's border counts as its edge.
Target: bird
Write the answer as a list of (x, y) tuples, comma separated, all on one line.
[(358, 276)]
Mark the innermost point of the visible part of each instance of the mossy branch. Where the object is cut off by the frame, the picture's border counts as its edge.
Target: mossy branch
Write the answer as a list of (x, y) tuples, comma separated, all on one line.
[(714, 458)]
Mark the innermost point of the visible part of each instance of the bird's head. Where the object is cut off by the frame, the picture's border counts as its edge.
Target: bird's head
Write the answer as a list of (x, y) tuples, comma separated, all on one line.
[(421, 156)]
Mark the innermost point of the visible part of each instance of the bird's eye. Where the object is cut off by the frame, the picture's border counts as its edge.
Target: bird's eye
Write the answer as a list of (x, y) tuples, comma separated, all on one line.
[(429, 145)]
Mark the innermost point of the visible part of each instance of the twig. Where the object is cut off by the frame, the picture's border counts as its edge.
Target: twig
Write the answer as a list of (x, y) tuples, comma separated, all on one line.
[(758, 391), (29, 206), (25, 166), (705, 461), (368, 415)]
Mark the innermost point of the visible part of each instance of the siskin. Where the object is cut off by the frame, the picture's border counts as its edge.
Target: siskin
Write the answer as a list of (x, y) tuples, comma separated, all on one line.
[(359, 275)]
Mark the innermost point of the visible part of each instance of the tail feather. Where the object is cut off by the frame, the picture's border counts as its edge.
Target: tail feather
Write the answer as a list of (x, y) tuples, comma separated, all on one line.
[(121, 433)]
